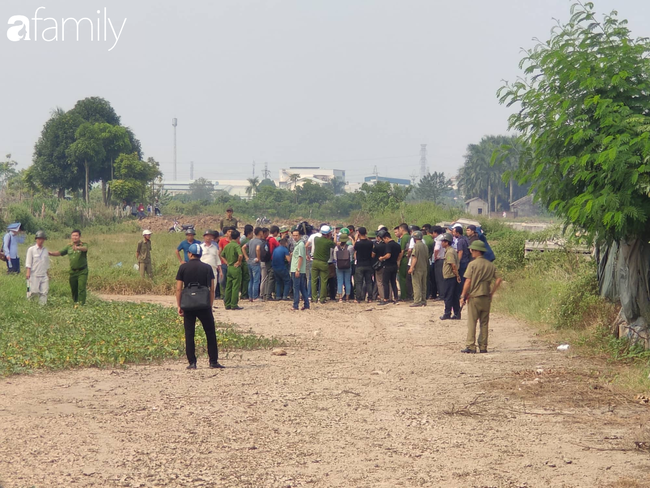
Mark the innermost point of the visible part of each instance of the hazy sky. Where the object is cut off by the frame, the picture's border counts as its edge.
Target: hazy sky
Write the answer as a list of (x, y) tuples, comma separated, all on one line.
[(346, 84)]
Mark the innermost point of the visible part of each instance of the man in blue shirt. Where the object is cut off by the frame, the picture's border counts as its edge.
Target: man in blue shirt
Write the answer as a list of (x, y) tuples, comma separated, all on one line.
[(10, 248), (185, 245), (281, 257)]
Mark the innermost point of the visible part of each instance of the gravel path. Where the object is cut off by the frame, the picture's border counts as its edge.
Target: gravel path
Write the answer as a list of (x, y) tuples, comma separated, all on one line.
[(365, 397)]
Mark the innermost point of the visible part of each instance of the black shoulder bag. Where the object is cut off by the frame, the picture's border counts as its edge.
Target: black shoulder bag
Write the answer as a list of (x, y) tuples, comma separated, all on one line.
[(195, 297)]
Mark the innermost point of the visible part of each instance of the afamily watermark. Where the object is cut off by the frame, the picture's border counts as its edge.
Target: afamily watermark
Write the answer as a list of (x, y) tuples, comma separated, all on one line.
[(49, 29)]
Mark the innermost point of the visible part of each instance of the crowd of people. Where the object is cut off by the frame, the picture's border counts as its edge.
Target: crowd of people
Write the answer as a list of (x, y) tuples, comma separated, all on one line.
[(303, 264)]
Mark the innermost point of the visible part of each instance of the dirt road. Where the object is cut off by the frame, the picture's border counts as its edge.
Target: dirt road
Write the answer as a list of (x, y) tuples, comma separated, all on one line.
[(366, 397)]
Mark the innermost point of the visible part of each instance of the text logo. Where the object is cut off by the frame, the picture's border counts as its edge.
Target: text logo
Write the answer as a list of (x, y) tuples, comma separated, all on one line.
[(48, 29)]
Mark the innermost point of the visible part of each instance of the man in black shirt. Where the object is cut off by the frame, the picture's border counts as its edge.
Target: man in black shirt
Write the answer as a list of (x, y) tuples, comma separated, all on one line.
[(363, 274), (194, 271), (393, 251)]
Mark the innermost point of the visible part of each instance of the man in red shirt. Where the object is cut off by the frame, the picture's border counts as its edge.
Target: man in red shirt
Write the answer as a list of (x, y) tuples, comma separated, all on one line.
[(223, 242), (270, 278)]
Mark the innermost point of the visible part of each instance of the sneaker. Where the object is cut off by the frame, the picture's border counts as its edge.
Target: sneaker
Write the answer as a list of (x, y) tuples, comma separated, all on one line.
[(467, 350), (191, 366), (237, 308)]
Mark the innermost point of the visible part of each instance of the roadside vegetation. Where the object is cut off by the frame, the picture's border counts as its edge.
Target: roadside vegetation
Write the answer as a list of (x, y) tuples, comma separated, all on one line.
[(101, 334)]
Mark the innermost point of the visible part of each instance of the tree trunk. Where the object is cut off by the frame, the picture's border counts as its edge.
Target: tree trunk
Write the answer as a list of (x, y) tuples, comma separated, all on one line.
[(495, 203), (104, 194), (512, 184), (624, 276), (86, 195), (489, 195), (60, 193)]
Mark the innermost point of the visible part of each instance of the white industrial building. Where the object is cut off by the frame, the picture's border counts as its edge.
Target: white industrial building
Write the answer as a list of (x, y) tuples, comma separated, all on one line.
[(232, 187), (316, 175)]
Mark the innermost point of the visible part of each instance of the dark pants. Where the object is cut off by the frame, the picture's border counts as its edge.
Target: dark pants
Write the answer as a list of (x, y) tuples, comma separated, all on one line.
[(440, 281), (452, 296), (390, 282), (207, 320), (300, 288), (461, 271), (282, 282), (332, 283), (15, 265), (433, 288), (78, 282), (363, 282)]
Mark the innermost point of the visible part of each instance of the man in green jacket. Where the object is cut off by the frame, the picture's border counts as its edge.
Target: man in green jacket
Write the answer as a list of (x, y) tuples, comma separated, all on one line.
[(234, 256), (320, 267), (78, 253)]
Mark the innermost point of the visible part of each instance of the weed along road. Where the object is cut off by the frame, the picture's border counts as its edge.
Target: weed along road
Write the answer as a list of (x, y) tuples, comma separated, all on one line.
[(365, 396)]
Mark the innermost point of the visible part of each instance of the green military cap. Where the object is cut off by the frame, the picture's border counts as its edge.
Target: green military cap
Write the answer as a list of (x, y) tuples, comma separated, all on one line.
[(417, 235), (40, 235), (478, 246), (372, 233), (284, 229), (448, 237)]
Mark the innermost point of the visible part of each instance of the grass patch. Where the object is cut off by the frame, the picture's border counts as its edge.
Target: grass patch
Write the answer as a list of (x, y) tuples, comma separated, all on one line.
[(101, 334), (558, 293)]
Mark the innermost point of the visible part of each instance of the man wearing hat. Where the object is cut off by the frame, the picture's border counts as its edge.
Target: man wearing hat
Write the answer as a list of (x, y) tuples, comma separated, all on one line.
[(143, 255), (10, 248), (451, 277), (194, 271), (210, 253), (185, 246), (229, 221), (37, 265), (418, 270), (477, 293), (320, 268)]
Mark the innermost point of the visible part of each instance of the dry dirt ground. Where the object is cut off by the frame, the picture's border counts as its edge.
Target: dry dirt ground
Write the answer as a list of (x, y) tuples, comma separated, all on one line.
[(366, 397)]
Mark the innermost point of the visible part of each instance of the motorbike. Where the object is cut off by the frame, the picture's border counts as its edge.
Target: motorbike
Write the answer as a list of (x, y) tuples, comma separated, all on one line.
[(262, 221), (177, 227)]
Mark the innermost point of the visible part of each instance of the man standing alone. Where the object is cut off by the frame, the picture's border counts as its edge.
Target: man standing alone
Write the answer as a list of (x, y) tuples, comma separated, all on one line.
[(419, 270), (477, 293), (37, 265), (196, 272), (143, 255), (229, 221), (78, 253)]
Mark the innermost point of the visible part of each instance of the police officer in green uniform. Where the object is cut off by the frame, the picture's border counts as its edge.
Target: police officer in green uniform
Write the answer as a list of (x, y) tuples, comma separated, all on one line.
[(229, 221), (78, 253), (234, 256), (477, 293), (419, 270)]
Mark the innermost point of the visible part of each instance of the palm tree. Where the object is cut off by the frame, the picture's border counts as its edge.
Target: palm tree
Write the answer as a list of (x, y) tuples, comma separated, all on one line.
[(253, 185), (293, 178), (478, 177)]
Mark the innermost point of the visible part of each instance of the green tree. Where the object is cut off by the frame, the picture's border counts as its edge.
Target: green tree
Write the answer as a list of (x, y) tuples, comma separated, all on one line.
[(7, 170), (115, 140), (382, 195), (87, 151), (582, 111), (253, 185), (132, 177), (201, 190), (433, 187), (337, 185), (313, 194)]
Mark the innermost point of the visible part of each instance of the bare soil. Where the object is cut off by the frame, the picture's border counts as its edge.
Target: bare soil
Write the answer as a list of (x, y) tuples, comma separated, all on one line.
[(365, 397)]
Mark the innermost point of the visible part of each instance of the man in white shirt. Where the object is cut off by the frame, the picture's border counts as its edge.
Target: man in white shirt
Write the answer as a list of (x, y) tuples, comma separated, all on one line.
[(211, 254), (37, 265)]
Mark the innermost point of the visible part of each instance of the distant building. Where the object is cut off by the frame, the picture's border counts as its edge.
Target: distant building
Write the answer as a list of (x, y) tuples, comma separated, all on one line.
[(526, 207), (314, 174), (476, 206), (393, 181), (232, 187)]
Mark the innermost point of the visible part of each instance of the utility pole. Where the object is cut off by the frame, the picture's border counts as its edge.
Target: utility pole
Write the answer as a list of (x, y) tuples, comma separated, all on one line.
[(253, 169), (174, 124), (191, 170), (266, 171), (423, 161), (414, 176)]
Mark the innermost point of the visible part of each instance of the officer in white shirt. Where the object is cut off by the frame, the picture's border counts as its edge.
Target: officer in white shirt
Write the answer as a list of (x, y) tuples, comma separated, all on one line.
[(37, 265), (211, 254)]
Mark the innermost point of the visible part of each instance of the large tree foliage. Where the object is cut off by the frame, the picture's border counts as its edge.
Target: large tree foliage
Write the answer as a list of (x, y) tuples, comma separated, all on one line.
[(132, 178), (382, 195), (583, 114), (433, 187), (52, 168), (87, 151), (201, 190)]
